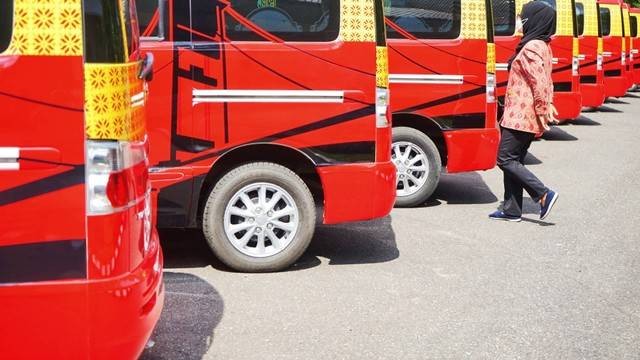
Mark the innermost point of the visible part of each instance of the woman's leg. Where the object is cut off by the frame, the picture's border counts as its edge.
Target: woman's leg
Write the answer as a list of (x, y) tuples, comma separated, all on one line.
[(513, 149), (512, 205)]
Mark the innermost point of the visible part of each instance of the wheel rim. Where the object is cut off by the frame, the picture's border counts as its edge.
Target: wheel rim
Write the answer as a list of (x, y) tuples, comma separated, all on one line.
[(261, 220), (412, 167)]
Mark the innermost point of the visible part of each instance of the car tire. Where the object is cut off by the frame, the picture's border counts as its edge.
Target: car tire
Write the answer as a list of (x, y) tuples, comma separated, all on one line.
[(419, 140), (225, 202)]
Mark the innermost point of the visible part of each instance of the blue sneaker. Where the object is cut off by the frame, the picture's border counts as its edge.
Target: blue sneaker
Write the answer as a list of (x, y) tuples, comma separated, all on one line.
[(499, 215), (551, 199)]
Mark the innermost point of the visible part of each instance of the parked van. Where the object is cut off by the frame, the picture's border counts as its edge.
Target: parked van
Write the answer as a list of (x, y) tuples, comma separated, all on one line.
[(614, 54), (262, 112), (628, 43), (80, 263), (442, 75), (591, 71), (566, 77), (635, 44)]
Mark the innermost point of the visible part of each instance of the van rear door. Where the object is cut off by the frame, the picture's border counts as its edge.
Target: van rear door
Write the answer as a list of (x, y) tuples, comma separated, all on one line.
[(42, 196)]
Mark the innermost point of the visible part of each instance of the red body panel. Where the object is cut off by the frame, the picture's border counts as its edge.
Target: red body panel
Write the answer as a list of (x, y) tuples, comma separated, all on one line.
[(72, 286), (635, 50), (460, 109), (615, 78), (627, 46), (188, 138), (591, 78)]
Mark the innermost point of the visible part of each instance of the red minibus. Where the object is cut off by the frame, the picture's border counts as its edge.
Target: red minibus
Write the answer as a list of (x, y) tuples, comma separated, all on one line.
[(635, 44), (566, 77), (262, 111), (614, 51), (80, 263), (628, 43), (591, 71), (442, 75)]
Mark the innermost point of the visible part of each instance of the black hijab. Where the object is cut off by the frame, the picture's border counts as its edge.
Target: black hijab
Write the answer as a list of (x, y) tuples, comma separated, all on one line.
[(539, 24)]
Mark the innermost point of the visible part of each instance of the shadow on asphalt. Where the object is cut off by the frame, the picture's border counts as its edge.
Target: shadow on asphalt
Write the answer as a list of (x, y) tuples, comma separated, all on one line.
[(557, 134), (615, 101), (192, 310), (354, 243), (461, 189), (530, 207), (368, 242), (631, 94), (608, 109), (585, 121)]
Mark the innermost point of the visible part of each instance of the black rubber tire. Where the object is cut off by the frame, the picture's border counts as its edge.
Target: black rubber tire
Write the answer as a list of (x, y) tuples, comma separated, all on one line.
[(232, 182), (422, 141)]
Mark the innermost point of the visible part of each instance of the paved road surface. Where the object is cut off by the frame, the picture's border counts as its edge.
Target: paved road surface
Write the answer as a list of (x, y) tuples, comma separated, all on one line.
[(442, 281)]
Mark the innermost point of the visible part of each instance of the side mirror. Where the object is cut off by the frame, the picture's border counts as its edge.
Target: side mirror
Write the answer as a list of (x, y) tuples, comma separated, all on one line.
[(146, 73)]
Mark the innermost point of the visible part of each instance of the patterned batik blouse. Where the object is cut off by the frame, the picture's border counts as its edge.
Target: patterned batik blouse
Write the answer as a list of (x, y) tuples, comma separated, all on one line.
[(530, 88)]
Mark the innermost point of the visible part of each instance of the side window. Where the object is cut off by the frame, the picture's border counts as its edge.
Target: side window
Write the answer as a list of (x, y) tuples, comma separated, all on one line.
[(550, 2), (289, 20), (634, 26), (424, 19), (152, 18), (104, 40), (6, 24), (605, 21), (580, 18), (131, 29), (504, 17)]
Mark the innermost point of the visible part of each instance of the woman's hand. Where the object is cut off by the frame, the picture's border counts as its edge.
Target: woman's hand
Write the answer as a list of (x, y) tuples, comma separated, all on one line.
[(553, 113), (544, 121)]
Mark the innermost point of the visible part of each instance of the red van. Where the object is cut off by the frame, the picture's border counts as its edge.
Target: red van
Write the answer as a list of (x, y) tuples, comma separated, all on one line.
[(566, 77), (614, 54), (628, 43), (591, 71), (262, 112), (442, 75), (80, 263), (635, 44)]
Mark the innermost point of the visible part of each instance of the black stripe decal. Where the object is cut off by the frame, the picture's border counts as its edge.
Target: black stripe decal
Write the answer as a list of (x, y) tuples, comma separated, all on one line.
[(56, 182), (43, 261), (335, 120), (351, 152)]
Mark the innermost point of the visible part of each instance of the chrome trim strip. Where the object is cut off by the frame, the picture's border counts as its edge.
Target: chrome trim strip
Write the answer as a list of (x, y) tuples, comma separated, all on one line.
[(426, 79), (582, 57), (137, 99), (502, 66), (607, 54), (555, 61), (267, 96), (9, 158)]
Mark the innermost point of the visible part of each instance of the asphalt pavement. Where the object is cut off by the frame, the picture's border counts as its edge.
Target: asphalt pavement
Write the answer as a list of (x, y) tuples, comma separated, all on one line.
[(441, 281)]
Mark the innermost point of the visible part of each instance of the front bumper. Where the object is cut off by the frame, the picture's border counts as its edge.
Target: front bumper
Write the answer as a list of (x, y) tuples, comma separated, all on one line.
[(471, 149), (593, 95), (615, 86), (568, 104), (358, 192)]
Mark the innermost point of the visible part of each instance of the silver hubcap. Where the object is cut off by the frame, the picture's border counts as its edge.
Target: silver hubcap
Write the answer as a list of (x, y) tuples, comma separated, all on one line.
[(261, 220), (412, 167)]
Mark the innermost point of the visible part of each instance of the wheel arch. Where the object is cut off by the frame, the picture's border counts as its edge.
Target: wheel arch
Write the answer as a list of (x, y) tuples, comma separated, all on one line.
[(427, 126), (287, 156)]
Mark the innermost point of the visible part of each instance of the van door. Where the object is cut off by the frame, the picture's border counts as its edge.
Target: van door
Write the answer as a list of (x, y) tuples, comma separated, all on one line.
[(42, 196)]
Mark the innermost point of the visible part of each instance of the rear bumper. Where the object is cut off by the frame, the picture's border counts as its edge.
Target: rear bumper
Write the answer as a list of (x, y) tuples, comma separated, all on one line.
[(471, 149), (105, 319), (593, 95), (568, 104), (357, 192), (615, 86)]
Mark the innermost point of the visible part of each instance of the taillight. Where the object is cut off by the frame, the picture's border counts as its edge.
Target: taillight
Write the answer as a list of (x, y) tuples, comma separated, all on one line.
[(575, 66), (382, 108), (491, 88), (117, 175), (599, 62), (624, 59)]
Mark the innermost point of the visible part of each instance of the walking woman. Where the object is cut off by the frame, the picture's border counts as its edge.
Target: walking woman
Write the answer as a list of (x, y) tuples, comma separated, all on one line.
[(528, 111)]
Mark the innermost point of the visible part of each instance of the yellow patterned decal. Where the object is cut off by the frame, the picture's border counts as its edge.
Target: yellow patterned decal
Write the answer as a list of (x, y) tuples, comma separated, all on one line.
[(47, 28), (600, 46), (590, 17), (616, 19), (491, 58), (474, 19), (382, 67), (564, 21), (576, 47), (627, 23), (357, 21), (114, 102)]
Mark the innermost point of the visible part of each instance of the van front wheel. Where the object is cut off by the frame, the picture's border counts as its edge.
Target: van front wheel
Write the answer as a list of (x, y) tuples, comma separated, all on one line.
[(259, 217), (418, 166)]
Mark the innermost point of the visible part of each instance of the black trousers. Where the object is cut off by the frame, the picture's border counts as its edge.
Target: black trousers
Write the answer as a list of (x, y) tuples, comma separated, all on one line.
[(513, 149)]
